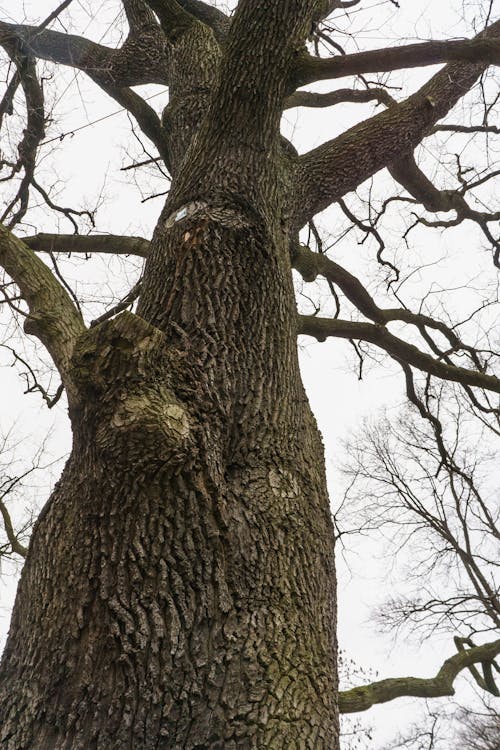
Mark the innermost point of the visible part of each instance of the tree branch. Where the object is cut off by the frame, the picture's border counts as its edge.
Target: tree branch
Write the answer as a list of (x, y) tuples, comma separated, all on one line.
[(341, 96), (113, 70), (325, 7), (139, 15), (210, 16), (310, 264), (362, 698), (480, 49), (340, 165), (114, 67), (55, 46), (145, 116), (409, 175), (175, 20), (53, 318), (465, 129), (33, 132), (93, 243), (322, 328), (14, 542)]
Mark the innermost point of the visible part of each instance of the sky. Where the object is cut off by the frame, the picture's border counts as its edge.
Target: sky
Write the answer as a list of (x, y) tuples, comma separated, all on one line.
[(87, 145)]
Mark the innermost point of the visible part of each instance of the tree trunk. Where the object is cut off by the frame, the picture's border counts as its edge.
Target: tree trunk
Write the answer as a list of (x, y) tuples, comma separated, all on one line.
[(179, 590)]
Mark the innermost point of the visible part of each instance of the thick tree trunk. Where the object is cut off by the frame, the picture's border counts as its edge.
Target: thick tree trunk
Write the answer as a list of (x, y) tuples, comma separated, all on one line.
[(179, 590)]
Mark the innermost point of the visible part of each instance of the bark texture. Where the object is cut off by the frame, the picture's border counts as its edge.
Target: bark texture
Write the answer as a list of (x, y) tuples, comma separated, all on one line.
[(179, 587), (179, 590)]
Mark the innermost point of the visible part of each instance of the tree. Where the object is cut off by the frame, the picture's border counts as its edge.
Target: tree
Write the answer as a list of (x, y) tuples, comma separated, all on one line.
[(431, 489), (476, 729), (479, 730), (427, 487), (179, 587)]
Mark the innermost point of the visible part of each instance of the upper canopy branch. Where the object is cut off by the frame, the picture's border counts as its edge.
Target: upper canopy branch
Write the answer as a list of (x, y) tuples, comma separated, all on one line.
[(132, 65), (340, 96), (139, 15), (174, 18), (209, 15), (480, 49), (33, 132), (338, 166), (53, 317), (55, 46), (362, 698), (142, 59)]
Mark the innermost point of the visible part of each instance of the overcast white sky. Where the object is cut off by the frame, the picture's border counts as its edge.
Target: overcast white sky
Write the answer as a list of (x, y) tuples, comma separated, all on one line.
[(87, 161)]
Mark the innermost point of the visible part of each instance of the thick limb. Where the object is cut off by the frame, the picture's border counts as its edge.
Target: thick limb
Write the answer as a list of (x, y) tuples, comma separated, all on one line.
[(132, 65), (362, 698), (480, 49), (79, 243), (53, 318), (340, 165), (322, 328), (340, 96)]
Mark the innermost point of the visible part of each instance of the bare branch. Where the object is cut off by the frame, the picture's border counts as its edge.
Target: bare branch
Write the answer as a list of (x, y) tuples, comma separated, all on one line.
[(362, 698), (112, 70), (122, 305), (14, 542), (53, 317), (310, 265), (33, 132), (341, 96), (174, 19), (146, 118), (465, 129), (139, 15), (209, 15), (322, 328), (480, 49), (93, 243), (55, 46), (406, 171), (112, 67), (337, 167)]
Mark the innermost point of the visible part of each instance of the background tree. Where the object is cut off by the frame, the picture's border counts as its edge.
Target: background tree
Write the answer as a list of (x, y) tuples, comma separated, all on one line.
[(179, 587), (427, 489), (479, 730), (471, 729)]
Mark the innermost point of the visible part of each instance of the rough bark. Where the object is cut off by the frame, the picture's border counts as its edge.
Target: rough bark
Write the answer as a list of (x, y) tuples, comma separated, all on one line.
[(179, 587)]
